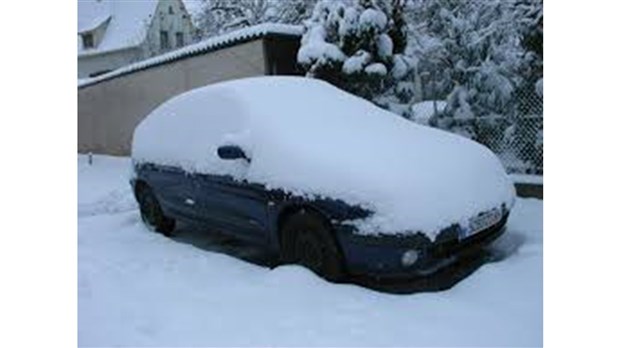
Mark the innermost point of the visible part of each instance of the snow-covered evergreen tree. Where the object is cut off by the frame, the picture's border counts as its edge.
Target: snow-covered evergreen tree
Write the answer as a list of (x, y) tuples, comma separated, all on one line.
[(472, 53), (529, 22), (359, 45), (293, 11), (220, 16)]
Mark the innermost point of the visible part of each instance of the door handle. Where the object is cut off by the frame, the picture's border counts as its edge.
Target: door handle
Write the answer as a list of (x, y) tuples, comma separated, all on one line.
[(189, 201)]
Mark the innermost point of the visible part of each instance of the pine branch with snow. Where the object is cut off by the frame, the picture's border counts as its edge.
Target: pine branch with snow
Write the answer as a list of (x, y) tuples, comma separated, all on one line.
[(358, 46), (220, 16), (473, 56)]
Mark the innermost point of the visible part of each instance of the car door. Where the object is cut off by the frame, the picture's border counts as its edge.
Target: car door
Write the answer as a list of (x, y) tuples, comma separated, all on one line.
[(176, 191), (237, 207)]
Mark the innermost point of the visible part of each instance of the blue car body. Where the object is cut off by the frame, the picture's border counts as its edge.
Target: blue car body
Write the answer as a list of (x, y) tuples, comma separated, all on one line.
[(253, 213)]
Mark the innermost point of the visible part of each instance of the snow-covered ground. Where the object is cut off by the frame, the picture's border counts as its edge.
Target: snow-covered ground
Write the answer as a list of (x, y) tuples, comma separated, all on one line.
[(138, 288)]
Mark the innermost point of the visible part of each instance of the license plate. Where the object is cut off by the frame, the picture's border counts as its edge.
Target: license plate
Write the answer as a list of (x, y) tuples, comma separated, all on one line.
[(484, 221)]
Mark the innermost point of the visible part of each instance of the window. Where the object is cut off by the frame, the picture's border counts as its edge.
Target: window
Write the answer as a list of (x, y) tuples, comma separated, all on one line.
[(164, 41), (170, 10), (87, 40), (180, 39)]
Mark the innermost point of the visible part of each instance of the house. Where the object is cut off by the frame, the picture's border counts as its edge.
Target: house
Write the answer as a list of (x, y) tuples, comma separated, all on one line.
[(115, 33), (111, 105)]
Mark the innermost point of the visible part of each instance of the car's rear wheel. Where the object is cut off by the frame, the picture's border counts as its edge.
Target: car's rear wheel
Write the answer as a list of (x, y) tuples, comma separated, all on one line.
[(151, 213), (306, 239)]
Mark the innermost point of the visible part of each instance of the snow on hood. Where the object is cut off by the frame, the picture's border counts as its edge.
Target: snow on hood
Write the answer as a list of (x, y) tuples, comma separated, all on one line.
[(310, 138)]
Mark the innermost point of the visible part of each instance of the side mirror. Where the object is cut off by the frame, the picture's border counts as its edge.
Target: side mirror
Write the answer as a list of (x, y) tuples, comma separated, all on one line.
[(231, 152)]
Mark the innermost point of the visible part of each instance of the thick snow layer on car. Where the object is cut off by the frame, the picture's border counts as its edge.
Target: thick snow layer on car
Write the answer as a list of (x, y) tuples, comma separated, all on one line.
[(310, 138), (138, 288)]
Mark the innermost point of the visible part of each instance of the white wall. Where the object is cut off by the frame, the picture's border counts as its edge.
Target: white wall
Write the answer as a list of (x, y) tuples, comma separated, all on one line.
[(107, 61), (109, 111)]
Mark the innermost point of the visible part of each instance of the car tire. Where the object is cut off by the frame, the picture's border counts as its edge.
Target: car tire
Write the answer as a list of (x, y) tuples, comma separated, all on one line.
[(306, 239), (151, 212)]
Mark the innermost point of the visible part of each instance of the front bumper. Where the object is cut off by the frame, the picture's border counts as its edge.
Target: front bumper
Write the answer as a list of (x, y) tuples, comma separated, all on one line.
[(380, 256)]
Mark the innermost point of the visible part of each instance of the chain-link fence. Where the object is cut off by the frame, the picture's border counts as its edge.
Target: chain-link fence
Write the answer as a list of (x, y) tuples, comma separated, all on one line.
[(516, 138)]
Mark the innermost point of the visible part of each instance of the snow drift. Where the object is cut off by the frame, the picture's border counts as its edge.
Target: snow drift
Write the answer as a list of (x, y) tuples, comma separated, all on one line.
[(310, 138)]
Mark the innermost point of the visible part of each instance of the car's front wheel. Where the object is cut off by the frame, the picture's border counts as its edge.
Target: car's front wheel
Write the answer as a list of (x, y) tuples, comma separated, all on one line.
[(151, 213), (306, 239)]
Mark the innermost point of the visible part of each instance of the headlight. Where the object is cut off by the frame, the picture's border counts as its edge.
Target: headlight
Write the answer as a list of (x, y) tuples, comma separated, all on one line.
[(409, 257)]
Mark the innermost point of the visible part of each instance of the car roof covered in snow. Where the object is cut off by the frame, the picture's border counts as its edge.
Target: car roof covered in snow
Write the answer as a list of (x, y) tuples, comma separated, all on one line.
[(312, 139)]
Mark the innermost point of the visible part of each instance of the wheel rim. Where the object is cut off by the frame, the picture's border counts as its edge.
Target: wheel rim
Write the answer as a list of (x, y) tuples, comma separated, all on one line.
[(148, 210)]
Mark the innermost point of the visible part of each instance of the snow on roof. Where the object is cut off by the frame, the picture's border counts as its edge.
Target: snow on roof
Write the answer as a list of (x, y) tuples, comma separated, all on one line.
[(128, 25), (310, 138), (207, 45), (91, 13), (92, 23)]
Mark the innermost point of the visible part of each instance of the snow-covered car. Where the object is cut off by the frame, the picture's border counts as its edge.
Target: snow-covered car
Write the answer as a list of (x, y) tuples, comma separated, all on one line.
[(318, 177)]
